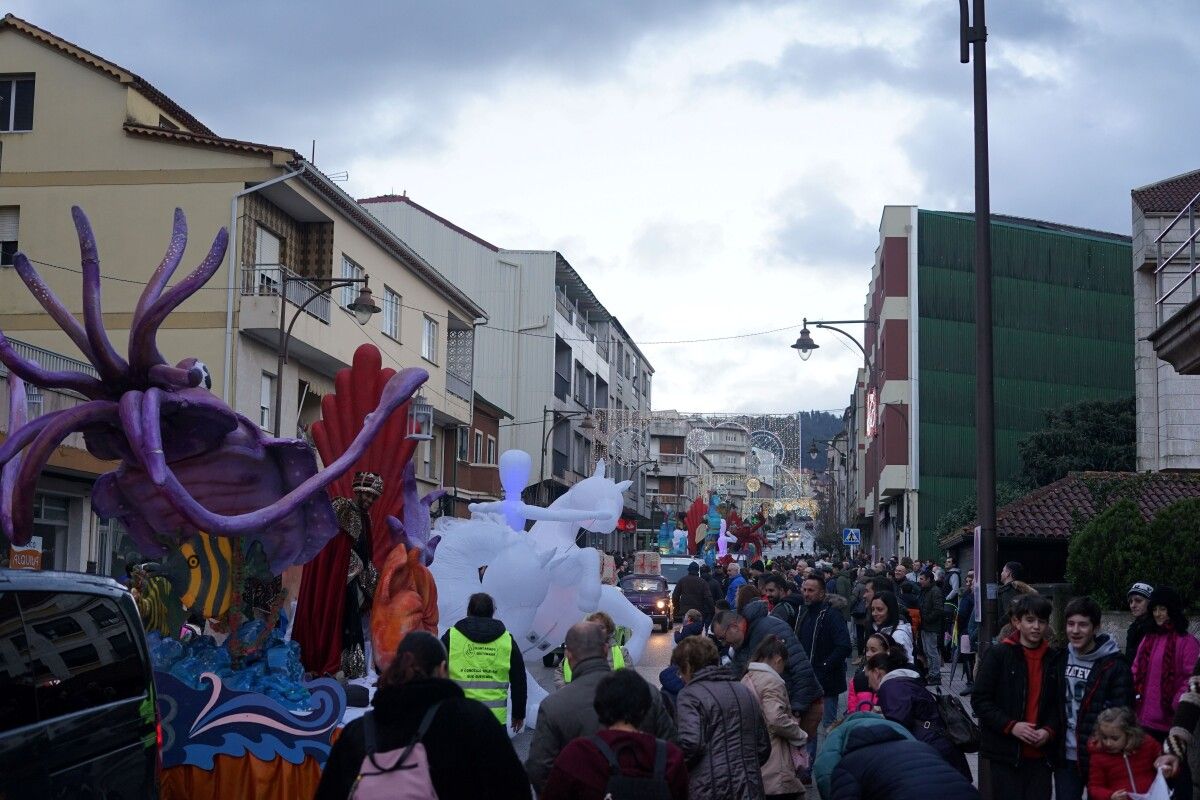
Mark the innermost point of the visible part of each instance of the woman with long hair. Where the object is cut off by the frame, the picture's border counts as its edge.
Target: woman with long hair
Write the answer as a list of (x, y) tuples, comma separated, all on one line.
[(460, 731), (764, 678), (886, 618)]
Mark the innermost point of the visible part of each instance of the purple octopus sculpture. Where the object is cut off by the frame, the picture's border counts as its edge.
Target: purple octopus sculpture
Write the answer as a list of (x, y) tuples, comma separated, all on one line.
[(189, 462)]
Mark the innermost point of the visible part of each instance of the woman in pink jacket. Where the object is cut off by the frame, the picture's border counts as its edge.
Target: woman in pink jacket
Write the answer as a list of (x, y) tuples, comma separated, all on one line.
[(1163, 663), (860, 696)]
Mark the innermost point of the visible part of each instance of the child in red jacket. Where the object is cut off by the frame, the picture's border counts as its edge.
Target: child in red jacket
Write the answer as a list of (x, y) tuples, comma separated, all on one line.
[(1122, 756)]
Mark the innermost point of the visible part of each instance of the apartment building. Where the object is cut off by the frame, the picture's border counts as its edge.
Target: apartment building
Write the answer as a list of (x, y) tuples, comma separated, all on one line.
[(92, 133), (552, 354)]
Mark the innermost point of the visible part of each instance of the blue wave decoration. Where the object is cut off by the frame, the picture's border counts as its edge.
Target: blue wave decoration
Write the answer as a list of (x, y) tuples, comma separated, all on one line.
[(200, 725)]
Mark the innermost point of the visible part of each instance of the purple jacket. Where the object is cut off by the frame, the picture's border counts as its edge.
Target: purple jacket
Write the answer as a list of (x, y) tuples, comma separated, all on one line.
[(902, 698), (1149, 705)]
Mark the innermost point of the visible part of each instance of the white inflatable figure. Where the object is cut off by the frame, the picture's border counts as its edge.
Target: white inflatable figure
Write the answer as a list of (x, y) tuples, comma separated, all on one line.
[(483, 554), (724, 539), (575, 587), (515, 466), (679, 542)]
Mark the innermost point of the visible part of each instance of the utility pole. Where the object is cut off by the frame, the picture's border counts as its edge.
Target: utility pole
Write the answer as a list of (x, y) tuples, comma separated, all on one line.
[(973, 33)]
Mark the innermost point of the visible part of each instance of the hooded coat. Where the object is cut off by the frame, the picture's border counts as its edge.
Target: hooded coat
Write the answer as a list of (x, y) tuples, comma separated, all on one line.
[(692, 592), (723, 737), (802, 683), (870, 758), (487, 629), (779, 776), (903, 698), (1092, 682)]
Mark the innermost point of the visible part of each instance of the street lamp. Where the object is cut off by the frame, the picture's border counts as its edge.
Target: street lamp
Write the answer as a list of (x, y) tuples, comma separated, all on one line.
[(805, 345), (363, 308), (588, 424), (813, 452)]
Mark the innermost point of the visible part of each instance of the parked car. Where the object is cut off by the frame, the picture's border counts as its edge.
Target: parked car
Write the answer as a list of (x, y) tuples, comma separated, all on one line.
[(78, 711), (650, 595)]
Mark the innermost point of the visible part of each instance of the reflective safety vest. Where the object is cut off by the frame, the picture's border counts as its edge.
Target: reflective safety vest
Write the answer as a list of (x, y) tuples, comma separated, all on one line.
[(481, 670), (618, 661)]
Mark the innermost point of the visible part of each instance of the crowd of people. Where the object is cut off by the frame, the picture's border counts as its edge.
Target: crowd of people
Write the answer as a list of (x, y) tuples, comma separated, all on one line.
[(759, 676)]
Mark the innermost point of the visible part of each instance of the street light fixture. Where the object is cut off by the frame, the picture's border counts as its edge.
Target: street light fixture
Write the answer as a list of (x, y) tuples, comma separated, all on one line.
[(813, 452), (587, 424), (805, 345), (363, 308)]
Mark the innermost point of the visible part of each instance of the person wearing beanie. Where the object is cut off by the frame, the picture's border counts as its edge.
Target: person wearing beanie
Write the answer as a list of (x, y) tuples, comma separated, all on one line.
[(1161, 670), (1139, 605)]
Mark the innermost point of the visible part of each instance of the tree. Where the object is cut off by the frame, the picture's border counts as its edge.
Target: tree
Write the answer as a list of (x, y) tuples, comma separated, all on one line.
[(1092, 435), (966, 511)]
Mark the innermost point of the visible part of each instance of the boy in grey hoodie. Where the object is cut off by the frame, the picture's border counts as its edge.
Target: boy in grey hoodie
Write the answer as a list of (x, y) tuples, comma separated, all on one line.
[(1096, 676)]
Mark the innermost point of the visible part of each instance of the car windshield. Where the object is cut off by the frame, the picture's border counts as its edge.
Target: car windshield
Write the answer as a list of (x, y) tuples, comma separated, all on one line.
[(674, 572), (644, 585)]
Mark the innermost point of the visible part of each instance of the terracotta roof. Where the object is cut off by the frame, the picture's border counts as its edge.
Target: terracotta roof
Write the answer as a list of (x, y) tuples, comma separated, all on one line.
[(119, 73), (207, 140), (404, 198), (1170, 196), (1051, 512)]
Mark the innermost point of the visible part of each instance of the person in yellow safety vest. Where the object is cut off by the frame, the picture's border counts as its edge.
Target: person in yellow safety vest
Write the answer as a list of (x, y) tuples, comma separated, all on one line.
[(485, 661), (618, 656)]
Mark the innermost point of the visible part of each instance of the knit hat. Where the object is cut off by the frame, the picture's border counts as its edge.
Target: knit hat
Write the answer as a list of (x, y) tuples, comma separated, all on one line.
[(1143, 589), (368, 482), (693, 568)]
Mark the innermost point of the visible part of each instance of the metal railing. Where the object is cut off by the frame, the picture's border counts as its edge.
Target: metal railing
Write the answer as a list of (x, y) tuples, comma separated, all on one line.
[(458, 386), (1161, 264), (263, 280), (49, 360), (671, 458), (564, 306)]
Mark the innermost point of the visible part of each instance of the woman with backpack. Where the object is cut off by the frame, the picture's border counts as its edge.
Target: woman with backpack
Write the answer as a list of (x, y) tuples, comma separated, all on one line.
[(721, 731), (903, 698), (420, 720), (619, 757), (764, 677)]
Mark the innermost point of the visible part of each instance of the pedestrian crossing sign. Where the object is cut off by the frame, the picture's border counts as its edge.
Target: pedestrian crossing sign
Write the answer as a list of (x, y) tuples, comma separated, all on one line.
[(851, 536)]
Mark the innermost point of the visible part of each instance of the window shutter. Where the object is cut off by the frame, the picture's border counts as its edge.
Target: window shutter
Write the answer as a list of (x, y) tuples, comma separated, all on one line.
[(266, 247), (10, 218)]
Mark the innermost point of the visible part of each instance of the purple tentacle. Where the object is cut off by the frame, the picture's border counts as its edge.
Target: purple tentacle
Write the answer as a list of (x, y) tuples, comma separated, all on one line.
[(22, 437), (169, 377), (143, 345), (110, 364), (400, 387), (31, 371), (63, 424), (144, 426), (142, 361), (54, 307), (18, 417)]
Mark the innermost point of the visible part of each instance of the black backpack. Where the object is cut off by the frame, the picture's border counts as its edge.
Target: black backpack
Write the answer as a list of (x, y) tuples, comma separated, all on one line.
[(630, 787), (961, 730)]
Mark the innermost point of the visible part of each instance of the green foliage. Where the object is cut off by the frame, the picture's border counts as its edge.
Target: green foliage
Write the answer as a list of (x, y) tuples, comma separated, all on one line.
[(1117, 547), (1092, 435), (966, 511)]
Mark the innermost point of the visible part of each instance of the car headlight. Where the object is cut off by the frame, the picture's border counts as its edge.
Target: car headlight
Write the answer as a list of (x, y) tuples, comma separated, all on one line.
[(661, 604)]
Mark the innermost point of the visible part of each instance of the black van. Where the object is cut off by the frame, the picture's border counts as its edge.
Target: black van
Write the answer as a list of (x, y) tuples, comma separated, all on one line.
[(78, 715)]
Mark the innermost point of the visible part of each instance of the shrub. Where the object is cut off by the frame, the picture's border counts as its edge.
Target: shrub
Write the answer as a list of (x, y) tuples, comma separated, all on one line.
[(1174, 549), (1106, 551)]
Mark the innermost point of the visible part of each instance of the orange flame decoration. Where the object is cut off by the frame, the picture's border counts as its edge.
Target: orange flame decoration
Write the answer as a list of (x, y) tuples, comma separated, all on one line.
[(405, 601)]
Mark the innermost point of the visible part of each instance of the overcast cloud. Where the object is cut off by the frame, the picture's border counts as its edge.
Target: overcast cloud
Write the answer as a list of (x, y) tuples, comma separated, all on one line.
[(710, 168)]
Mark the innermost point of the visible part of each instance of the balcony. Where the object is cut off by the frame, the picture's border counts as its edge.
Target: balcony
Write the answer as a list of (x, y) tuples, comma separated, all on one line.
[(262, 280), (564, 306), (1176, 340), (49, 360)]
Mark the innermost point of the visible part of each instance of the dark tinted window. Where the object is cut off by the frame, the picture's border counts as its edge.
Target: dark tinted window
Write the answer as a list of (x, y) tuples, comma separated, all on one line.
[(17, 706), (78, 661), (23, 110)]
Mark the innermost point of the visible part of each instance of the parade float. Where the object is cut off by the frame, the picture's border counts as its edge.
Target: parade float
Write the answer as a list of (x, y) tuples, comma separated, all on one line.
[(248, 698)]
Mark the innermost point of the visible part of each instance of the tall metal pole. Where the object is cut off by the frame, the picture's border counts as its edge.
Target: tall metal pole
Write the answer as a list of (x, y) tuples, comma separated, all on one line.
[(985, 424)]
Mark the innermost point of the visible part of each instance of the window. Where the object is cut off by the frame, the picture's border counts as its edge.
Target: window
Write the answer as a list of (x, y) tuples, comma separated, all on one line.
[(266, 396), (478, 459), (391, 313), (166, 124), (429, 341), (491, 451), (267, 254), (78, 663), (351, 271), (51, 520), (429, 451), (580, 381), (464, 444), (18, 707), (10, 219), (16, 103)]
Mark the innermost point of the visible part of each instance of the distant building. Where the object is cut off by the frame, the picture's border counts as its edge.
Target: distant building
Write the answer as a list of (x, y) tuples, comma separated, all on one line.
[(1063, 323), (472, 460)]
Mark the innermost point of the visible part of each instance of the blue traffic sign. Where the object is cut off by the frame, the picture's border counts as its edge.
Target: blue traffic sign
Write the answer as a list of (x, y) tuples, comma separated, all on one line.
[(851, 536)]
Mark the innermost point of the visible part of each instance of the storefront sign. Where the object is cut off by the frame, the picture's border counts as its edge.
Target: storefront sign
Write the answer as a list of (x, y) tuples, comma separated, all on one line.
[(27, 556), (872, 414)]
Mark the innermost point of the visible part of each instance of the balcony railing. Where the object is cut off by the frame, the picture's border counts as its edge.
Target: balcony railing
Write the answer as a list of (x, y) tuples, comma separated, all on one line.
[(564, 306), (458, 386), (48, 360), (264, 280), (602, 348), (671, 458)]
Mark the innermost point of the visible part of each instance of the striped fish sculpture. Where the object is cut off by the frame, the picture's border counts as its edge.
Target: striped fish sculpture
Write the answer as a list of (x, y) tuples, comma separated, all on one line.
[(201, 571), (154, 599)]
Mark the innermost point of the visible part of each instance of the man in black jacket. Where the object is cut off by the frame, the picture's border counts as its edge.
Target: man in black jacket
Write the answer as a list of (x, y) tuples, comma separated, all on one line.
[(1138, 597), (823, 635), (1018, 700), (1096, 676), (692, 592), (933, 618), (478, 628)]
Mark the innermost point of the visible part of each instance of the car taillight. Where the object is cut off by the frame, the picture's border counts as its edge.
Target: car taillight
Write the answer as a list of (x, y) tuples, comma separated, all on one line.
[(158, 746)]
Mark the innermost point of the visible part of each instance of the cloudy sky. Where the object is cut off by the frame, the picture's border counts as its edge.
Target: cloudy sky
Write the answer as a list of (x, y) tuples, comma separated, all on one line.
[(710, 168)]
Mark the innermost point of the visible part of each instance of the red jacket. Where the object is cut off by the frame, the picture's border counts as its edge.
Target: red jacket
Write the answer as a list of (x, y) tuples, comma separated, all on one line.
[(1108, 773), (581, 772)]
